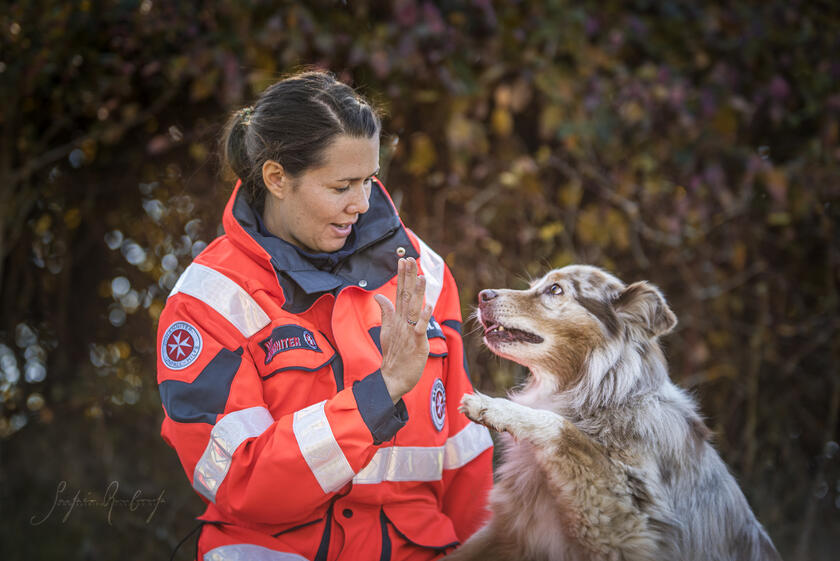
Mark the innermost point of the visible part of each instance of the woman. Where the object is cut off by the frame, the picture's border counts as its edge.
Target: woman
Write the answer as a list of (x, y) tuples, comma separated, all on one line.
[(316, 418)]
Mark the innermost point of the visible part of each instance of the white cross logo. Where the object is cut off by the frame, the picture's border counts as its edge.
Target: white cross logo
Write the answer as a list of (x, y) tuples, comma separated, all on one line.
[(181, 345), (178, 345)]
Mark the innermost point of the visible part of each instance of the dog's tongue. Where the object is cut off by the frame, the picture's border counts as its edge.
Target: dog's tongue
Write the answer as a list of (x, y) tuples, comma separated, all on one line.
[(500, 333)]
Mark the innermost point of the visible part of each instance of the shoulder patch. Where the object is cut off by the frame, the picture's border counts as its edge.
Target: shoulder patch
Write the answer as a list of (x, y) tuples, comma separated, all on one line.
[(437, 404), (180, 346), (286, 338)]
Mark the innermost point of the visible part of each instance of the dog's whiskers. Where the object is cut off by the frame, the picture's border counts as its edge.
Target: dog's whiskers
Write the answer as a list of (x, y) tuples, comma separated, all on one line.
[(473, 318)]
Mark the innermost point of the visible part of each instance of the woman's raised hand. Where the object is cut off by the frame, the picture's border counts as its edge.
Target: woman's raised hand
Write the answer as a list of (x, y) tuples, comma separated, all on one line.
[(405, 347)]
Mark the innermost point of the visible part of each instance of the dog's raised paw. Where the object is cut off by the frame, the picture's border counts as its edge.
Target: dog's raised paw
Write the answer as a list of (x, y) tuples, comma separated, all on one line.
[(473, 405)]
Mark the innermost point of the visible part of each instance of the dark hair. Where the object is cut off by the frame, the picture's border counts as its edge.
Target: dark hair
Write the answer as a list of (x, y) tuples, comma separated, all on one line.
[(293, 122)]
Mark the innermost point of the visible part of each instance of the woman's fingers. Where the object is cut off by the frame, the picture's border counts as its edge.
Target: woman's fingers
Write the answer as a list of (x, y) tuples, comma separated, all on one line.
[(423, 322), (404, 355), (406, 293), (399, 301), (410, 290), (410, 276), (415, 306), (386, 306)]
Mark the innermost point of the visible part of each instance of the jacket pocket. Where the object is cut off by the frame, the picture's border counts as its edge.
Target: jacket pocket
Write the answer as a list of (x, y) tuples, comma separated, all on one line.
[(421, 525), (290, 346), (296, 365), (300, 364)]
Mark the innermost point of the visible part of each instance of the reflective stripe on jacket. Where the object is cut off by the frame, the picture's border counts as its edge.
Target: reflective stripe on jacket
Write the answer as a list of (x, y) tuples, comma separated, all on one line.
[(268, 371)]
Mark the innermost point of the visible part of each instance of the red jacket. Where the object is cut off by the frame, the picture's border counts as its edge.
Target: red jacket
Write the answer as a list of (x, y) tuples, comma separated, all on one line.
[(268, 371)]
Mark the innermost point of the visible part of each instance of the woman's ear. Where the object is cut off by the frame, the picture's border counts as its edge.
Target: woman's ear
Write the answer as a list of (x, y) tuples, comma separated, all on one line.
[(642, 304), (275, 179)]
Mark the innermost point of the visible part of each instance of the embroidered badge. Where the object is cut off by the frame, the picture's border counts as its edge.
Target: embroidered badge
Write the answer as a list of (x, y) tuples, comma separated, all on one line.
[(287, 338), (438, 404), (181, 345)]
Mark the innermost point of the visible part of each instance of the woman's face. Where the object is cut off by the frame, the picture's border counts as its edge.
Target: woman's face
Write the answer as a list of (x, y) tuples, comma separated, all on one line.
[(317, 209)]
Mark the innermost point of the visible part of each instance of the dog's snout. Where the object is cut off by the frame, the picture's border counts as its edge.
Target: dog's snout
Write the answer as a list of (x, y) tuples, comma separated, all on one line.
[(487, 295)]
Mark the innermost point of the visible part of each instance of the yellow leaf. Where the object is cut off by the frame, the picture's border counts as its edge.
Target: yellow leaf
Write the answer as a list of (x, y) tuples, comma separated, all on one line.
[(205, 85), (426, 96), (725, 122), (647, 71), (155, 309), (93, 412), (590, 227), (543, 155), (423, 154), (508, 179), (502, 121), (632, 112), (551, 119), (261, 79), (617, 228), (561, 259), (660, 92), (464, 134), (89, 148), (72, 218), (124, 349), (570, 194), (550, 230), (530, 183), (198, 151), (43, 224), (778, 219), (491, 245)]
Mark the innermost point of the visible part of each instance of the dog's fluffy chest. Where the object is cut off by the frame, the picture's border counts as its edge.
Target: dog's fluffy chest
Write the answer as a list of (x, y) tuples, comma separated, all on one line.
[(522, 499)]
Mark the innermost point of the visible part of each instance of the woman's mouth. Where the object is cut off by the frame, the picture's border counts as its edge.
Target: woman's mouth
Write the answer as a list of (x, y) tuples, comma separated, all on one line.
[(342, 230)]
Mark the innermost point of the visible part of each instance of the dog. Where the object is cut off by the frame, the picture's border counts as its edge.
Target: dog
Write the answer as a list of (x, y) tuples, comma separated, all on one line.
[(604, 458)]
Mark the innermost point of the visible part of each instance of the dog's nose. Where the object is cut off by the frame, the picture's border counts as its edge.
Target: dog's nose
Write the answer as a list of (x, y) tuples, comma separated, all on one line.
[(487, 295)]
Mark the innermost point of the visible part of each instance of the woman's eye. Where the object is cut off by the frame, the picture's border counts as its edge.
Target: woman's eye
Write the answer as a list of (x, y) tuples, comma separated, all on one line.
[(342, 189), (555, 289)]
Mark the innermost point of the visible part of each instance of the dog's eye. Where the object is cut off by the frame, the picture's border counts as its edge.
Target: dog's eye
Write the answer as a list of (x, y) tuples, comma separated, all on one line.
[(555, 289)]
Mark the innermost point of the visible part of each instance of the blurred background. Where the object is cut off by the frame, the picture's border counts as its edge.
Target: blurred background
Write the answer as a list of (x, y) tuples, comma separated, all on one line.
[(693, 144)]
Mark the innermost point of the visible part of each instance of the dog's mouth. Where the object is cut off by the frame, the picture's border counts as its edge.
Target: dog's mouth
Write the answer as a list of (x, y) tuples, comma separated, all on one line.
[(495, 332)]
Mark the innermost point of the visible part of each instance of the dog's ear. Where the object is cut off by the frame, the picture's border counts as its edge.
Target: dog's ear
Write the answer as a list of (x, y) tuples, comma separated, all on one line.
[(643, 305)]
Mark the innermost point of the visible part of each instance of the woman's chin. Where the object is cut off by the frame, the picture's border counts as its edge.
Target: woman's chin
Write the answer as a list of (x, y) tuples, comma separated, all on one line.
[(329, 246)]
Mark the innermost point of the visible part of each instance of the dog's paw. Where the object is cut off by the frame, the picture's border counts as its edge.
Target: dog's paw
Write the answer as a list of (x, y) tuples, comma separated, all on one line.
[(474, 406)]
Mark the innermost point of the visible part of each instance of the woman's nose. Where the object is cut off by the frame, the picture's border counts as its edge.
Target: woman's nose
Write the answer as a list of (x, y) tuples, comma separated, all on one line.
[(360, 203)]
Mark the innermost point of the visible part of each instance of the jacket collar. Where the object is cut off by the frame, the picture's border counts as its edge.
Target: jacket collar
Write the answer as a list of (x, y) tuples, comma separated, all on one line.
[(313, 273)]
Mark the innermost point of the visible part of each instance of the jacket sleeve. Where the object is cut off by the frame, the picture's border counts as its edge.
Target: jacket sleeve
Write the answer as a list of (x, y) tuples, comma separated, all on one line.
[(236, 455), (468, 467)]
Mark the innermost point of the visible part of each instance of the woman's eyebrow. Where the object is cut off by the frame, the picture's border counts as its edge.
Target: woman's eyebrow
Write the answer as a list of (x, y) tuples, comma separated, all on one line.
[(358, 178)]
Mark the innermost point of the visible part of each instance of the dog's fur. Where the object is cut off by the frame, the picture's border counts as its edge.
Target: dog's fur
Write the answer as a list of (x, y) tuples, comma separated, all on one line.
[(605, 458)]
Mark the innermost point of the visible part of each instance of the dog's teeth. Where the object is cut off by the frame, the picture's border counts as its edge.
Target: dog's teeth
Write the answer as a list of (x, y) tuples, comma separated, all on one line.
[(500, 328)]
